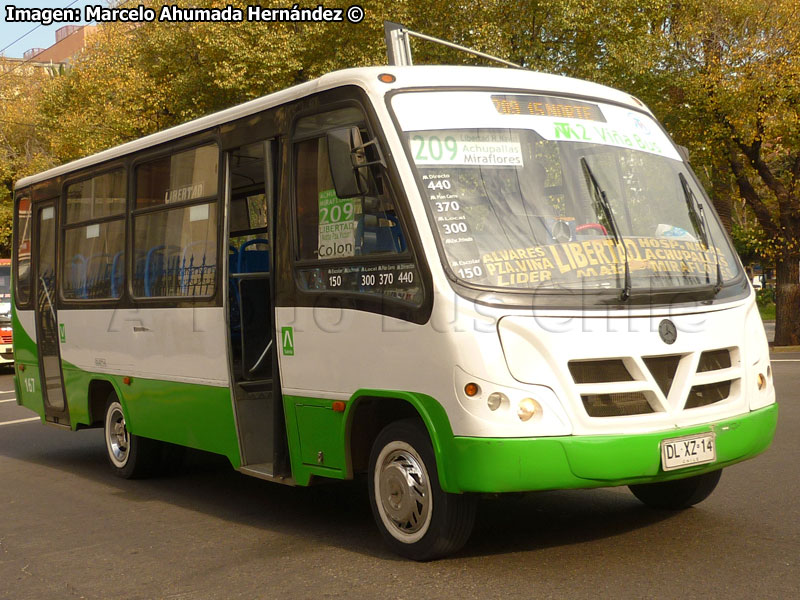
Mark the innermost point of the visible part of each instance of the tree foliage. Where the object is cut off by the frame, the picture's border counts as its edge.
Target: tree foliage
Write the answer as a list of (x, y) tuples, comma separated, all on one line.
[(23, 148), (722, 75)]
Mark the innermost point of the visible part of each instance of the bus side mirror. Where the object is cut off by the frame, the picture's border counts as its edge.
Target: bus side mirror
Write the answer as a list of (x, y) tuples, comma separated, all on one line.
[(347, 161)]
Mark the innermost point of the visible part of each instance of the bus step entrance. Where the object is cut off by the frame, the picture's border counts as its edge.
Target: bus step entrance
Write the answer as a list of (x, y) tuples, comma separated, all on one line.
[(265, 471), (254, 415), (264, 385)]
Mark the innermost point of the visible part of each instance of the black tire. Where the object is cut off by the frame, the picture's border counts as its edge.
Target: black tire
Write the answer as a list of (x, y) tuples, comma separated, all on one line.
[(130, 456), (678, 494), (417, 519)]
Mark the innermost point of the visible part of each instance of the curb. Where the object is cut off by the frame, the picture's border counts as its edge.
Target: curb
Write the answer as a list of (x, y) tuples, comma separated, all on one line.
[(784, 348)]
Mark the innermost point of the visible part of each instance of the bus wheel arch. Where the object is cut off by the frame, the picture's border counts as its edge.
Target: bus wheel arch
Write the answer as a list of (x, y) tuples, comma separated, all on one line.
[(371, 411), (368, 416), (99, 390)]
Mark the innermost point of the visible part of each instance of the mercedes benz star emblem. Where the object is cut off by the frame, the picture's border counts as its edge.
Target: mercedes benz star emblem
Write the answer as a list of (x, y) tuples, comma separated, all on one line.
[(667, 331)]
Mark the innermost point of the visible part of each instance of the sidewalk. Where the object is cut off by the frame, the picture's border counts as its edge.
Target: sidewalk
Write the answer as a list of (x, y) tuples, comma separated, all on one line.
[(769, 327)]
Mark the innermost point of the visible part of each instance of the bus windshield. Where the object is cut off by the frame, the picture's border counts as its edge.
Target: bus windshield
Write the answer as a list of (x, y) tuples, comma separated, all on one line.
[(540, 192)]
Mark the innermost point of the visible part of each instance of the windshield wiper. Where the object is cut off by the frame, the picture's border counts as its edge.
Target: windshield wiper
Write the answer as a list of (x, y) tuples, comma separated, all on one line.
[(698, 217), (602, 200)]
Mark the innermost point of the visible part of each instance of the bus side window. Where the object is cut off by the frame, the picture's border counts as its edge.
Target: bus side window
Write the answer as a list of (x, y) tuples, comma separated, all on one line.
[(23, 250), (175, 225), (329, 227), (93, 260)]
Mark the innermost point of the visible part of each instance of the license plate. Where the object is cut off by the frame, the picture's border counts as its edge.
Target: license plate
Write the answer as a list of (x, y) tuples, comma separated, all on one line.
[(677, 453)]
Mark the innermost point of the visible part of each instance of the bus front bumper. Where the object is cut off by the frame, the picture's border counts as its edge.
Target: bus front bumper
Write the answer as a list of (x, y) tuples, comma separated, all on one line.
[(516, 465)]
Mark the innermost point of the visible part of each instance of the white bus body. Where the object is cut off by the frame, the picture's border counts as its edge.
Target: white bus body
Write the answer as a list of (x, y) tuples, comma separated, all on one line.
[(417, 331)]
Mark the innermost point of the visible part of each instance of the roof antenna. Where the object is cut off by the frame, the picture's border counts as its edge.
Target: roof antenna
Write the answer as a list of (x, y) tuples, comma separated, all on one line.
[(398, 46)]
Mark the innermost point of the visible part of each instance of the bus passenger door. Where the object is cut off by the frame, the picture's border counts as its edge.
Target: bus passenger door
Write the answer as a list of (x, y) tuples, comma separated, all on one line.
[(47, 335), (250, 306)]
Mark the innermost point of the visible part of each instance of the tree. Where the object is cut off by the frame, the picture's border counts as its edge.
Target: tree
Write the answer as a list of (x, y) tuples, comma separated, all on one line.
[(23, 150), (136, 79), (736, 73), (722, 75)]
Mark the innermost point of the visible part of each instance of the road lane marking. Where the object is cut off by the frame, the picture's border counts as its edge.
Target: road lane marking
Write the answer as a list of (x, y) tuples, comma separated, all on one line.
[(20, 421), (4, 401), (785, 360), (7, 392)]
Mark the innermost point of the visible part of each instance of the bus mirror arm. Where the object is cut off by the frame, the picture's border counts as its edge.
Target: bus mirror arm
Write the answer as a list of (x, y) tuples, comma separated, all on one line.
[(344, 146)]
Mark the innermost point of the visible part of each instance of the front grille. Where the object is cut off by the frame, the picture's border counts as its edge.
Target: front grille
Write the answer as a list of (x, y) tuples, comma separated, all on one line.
[(616, 405), (714, 360), (599, 371), (625, 386), (663, 369), (703, 395)]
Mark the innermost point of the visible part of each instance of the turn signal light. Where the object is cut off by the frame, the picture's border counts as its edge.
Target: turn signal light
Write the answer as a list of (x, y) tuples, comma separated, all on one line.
[(762, 381), (338, 406), (471, 389)]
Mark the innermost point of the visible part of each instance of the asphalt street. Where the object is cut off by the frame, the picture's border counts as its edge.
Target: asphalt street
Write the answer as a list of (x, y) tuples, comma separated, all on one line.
[(70, 529)]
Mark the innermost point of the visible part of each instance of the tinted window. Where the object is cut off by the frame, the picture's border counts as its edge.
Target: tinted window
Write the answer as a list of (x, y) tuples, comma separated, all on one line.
[(181, 177), (23, 250), (94, 260), (176, 252), (333, 228), (101, 196), (353, 245)]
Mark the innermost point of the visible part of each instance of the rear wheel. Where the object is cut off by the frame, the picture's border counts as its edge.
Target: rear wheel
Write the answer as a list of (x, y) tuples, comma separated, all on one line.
[(130, 456), (415, 516), (678, 494)]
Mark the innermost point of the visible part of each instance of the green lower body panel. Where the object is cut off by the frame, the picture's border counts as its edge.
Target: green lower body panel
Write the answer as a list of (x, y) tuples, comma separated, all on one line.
[(316, 436), (516, 465), (194, 415)]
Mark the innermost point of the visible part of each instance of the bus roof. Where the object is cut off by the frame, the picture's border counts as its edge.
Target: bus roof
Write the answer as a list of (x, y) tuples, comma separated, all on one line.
[(367, 78)]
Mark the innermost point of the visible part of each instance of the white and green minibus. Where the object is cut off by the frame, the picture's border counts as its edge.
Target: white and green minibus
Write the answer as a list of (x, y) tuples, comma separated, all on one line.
[(456, 280)]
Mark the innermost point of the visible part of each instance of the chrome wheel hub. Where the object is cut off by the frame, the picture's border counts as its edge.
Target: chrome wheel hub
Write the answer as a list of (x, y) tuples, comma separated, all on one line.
[(404, 491), (118, 438)]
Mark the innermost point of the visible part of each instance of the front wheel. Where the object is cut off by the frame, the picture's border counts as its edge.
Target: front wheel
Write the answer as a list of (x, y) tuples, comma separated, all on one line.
[(416, 517), (130, 456), (678, 494)]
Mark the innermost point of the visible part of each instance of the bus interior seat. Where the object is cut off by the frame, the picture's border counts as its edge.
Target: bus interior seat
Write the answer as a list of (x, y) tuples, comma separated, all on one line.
[(77, 276), (372, 238), (117, 268), (253, 261), (98, 275), (160, 265)]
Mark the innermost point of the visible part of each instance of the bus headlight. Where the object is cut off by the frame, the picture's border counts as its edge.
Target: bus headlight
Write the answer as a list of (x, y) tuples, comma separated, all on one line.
[(495, 400), (528, 407)]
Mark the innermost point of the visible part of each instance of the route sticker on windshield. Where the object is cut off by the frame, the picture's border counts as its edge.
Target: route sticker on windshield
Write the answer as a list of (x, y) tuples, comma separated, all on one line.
[(337, 225), (465, 148)]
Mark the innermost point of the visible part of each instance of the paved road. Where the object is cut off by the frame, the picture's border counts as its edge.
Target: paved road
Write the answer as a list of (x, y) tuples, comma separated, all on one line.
[(70, 529)]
